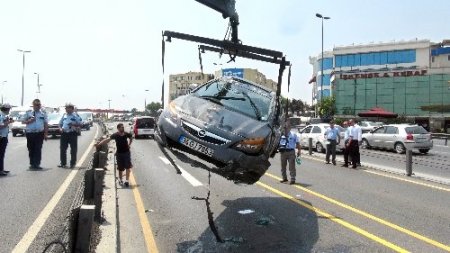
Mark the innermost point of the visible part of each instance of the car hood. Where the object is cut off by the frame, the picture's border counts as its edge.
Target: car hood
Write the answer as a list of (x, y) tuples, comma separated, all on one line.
[(212, 115)]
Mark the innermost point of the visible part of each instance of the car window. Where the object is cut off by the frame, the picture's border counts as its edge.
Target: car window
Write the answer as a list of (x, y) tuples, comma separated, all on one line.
[(238, 96), (416, 130), (54, 116), (316, 130), (391, 130), (145, 123), (364, 124), (379, 130), (306, 130)]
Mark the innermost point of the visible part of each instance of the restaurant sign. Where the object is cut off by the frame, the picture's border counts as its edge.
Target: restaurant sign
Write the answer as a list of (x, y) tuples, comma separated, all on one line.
[(384, 74)]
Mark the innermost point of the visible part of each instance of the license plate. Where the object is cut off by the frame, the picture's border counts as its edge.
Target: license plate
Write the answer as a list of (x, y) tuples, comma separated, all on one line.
[(195, 146)]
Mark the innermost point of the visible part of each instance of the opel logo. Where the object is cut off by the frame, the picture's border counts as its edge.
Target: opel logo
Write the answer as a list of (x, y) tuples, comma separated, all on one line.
[(201, 133)]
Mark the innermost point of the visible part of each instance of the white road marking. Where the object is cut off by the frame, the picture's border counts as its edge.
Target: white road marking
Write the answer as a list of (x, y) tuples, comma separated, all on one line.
[(37, 225), (165, 160), (192, 180)]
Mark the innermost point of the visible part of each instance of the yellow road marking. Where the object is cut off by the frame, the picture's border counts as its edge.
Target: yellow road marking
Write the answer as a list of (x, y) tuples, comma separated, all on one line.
[(372, 217), (146, 228), (409, 181), (336, 219)]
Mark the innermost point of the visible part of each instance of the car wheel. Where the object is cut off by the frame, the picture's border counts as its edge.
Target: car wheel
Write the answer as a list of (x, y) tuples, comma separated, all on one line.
[(319, 148), (424, 151), (365, 144), (14, 134), (399, 148)]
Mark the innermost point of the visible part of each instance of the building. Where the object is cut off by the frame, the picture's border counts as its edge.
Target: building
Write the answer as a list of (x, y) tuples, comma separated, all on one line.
[(252, 75), (180, 84), (411, 78)]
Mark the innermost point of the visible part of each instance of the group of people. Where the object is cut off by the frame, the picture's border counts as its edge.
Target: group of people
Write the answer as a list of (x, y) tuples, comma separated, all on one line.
[(290, 141), (36, 132)]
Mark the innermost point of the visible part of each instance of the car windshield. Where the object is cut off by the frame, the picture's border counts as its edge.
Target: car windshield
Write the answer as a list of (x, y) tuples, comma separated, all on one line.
[(416, 130), (54, 116), (84, 116), (238, 96)]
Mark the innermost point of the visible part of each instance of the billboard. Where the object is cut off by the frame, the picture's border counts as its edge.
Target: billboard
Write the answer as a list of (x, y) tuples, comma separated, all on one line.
[(233, 72)]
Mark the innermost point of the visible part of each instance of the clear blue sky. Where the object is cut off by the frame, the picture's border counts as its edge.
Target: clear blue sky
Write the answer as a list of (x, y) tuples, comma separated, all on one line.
[(90, 51)]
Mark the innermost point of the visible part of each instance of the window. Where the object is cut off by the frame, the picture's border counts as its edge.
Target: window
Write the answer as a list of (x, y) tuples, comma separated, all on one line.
[(391, 130), (306, 130), (432, 58), (448, 57), (379, 130), (316, 130)]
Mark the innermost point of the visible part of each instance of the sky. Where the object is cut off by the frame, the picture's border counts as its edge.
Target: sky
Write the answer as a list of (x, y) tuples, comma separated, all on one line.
[(90, 51)]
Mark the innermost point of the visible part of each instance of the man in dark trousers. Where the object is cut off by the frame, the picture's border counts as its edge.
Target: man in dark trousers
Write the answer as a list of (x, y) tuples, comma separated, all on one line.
[(36, 130), (288, 142), (346, 141), (4, 130), (123, 156), (332, 137), (69, 124)]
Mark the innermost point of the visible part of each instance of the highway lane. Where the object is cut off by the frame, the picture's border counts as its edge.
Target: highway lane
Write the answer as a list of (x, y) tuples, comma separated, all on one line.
[(332, 209), (26, 192)]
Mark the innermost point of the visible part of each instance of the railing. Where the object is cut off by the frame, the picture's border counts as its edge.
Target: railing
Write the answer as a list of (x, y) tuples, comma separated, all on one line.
[(441, 136)]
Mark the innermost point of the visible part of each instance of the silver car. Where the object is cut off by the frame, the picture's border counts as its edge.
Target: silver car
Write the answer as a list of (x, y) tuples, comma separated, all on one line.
[(398, 137), (228, 121), (316, 132)]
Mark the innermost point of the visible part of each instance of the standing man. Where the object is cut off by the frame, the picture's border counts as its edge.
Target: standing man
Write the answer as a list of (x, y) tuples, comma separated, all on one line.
[(288, 142), (4, 130), (123, 156), (346, 141), (68, 125), (359, 130), (353, 143), (36, 130), (332, 137)]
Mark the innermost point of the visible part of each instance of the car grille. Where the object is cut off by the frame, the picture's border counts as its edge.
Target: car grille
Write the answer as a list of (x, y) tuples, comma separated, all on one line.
[(207, 137)]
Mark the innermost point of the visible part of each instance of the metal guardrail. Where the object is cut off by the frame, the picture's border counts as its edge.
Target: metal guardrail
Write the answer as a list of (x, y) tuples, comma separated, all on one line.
[(441, 136)]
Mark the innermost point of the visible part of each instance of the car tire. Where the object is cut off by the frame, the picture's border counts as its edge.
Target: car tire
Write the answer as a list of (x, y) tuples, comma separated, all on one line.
[(424, 151), (399, 148), (14, 134), (365, 144), (319, 148)]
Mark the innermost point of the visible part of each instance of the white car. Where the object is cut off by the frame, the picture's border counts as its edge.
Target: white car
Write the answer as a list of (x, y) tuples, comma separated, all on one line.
[(316, 132)]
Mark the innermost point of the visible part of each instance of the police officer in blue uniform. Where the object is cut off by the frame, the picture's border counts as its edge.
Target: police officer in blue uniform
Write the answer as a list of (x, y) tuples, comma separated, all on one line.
[(69, 125), (288, 142), (5, 120), (36, 131)]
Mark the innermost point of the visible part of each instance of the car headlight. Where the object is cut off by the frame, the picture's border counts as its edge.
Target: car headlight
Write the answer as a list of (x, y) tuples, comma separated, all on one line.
[(251, 145), (174, 111)]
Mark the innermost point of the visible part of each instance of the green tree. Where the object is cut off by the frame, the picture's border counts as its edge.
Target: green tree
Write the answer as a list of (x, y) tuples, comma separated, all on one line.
[(133, 111), (153, 108), (327, 107)]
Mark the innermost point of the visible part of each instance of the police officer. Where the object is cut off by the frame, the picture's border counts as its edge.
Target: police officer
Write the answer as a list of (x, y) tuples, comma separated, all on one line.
[(288, 142), (36, 130), (346, 141), (4, 130), (69, 125), (332, 137)]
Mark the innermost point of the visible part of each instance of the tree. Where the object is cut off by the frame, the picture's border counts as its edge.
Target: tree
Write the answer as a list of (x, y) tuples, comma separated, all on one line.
[(327, 107), (133, 111), (153, 108)]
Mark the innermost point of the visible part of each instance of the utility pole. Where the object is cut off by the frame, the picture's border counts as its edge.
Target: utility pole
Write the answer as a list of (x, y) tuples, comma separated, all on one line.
[(23, 71), (109, 109), (321, 60), (3, 88)]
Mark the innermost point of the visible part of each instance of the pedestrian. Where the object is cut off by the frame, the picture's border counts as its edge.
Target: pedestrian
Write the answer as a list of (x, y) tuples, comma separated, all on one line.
[(346, 141), (353, 144), (332, 137), (5, 120), (36, 131), (69, 124), (123, 156), (288, 142), (358, 128)]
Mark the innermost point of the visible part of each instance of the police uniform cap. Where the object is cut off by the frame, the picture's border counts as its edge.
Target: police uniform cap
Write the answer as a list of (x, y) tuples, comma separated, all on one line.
[(69, 105), (5, 106)]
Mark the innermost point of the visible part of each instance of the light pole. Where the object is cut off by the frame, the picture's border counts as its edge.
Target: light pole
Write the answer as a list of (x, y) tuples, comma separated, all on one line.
[(145, 102), (109, 108), (38, 83), (321, 68), (3, 88), (23, 71)]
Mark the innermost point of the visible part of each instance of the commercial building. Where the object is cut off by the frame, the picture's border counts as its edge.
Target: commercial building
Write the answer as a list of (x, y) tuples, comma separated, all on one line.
[(410, 78), (181, 84)]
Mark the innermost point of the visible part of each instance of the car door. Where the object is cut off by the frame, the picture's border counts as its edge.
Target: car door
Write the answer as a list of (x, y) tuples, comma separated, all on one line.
[(390, 137), (375, 137), (304, 135), (317, 135)]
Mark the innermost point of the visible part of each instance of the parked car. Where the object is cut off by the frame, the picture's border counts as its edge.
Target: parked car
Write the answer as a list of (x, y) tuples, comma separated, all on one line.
[(317, 132), (367, 126), (228, 121), (398, 137), (144, 126), (87, 120), (53, 124), (17, 127)]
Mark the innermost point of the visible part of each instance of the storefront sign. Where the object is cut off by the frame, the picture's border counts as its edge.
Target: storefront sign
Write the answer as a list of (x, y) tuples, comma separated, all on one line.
[(383, 74)]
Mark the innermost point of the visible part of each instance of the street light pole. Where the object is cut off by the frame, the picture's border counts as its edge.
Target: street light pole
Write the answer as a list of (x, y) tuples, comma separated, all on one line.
[(38, 83), (3, 88), (109, 108), (321, 69), (23, 71), (145, 102)]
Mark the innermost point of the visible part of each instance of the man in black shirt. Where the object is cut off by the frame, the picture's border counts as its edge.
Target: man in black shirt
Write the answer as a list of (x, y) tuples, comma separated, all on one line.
[(123, 156)]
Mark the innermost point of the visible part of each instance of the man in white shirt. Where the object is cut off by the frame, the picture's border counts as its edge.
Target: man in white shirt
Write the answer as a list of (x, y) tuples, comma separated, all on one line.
[(353, 143), (359, 130)]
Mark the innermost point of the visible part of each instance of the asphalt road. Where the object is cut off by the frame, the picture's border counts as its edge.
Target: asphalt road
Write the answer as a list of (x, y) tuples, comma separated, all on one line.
[(330, 209), (26, 193)]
